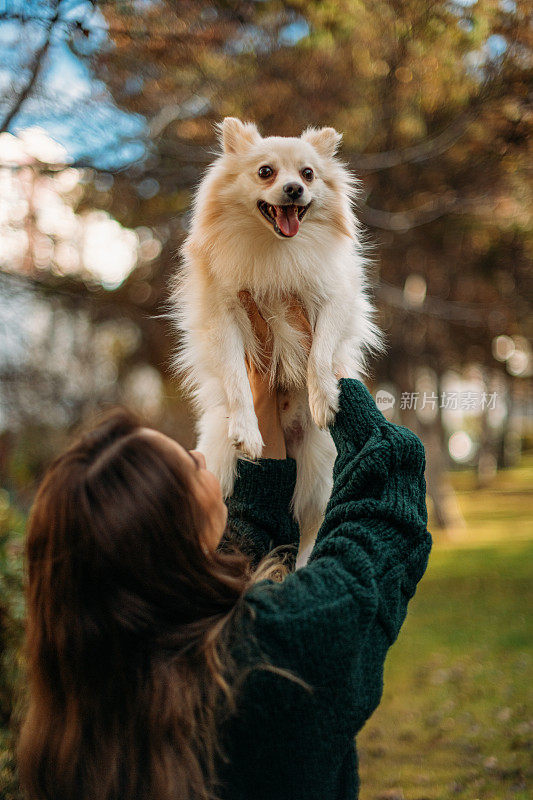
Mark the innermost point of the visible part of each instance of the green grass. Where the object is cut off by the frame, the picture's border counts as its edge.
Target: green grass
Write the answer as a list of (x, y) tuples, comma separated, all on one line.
[(500, 512), (456, 720)]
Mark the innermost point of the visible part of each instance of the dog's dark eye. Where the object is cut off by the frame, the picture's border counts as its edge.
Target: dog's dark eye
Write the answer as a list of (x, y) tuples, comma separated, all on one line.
[(265, 172), (308, 174)]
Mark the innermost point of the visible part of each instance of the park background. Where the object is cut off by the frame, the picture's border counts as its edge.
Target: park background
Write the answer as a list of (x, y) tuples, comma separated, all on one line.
[(107, 113)]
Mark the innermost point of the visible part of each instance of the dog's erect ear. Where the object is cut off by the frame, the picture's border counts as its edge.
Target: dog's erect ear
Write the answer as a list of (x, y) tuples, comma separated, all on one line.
[(324, 140), (237, 136)]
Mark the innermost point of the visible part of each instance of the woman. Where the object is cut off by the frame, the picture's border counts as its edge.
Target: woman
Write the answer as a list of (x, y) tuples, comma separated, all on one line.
[(167, 664)]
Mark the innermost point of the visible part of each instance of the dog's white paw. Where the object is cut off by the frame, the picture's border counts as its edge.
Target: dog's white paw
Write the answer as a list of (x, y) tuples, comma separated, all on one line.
[(323, 400), (246, 437), (323, 409)]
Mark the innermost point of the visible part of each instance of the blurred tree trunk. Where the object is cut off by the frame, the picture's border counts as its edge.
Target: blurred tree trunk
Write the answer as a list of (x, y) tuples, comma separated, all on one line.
[(509, 444), (487, 461), (446, 509), (447, 514)]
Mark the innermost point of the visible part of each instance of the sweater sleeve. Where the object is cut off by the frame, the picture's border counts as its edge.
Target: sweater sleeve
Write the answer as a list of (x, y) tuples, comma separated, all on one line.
[(333, 621), (259, 515)]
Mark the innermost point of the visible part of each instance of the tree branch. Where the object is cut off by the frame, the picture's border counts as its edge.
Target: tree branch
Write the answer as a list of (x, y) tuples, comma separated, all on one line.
[(35, 70)]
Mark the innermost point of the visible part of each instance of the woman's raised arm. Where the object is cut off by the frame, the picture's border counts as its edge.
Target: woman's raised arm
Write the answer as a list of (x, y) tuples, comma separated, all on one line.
[(259, 516), (333, 621)]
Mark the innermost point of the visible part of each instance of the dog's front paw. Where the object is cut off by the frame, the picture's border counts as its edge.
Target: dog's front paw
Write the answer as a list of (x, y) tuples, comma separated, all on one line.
[(323, 409), (246, 437), (323, 401)]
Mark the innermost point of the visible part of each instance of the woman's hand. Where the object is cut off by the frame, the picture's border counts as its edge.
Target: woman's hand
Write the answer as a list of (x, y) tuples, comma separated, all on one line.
[(266, 397)]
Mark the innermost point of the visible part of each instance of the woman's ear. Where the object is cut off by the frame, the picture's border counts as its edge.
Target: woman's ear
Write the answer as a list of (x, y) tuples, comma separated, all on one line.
[(237, 136), (325, 140)]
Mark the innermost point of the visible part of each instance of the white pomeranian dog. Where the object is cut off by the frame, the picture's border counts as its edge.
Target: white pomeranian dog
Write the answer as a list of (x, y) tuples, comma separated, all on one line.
[(273, 216)]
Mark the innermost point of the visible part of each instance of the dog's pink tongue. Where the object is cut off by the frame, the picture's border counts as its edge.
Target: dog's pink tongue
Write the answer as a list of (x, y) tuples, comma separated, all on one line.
[(287, 220)]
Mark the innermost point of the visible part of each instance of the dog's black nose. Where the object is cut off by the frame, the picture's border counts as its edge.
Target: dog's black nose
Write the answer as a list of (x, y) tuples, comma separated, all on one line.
[(293, 190)]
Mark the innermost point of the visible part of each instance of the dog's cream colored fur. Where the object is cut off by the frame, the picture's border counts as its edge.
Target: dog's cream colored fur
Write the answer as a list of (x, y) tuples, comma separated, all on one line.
[(230, 247)]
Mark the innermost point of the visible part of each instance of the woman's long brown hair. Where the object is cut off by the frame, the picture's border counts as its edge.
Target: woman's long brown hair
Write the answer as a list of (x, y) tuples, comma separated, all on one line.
[(129, 663)]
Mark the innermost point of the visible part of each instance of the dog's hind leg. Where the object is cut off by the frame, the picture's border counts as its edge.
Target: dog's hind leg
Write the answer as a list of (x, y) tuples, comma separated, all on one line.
[(315, 457)]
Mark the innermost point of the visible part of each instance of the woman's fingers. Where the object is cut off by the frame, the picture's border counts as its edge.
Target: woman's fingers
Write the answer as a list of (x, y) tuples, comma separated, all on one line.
[(260, 328), (298, 318), (259, 325), (341, 372)]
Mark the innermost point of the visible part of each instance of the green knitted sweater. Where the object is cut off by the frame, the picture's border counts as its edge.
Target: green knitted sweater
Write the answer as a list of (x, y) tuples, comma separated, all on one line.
[(331, 622)]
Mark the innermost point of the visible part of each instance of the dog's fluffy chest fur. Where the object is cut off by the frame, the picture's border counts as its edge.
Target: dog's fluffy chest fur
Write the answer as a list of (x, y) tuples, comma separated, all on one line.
[(312, 267)]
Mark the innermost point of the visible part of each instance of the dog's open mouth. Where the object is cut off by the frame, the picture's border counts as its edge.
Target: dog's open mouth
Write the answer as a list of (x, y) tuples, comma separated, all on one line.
[(284, 219)]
